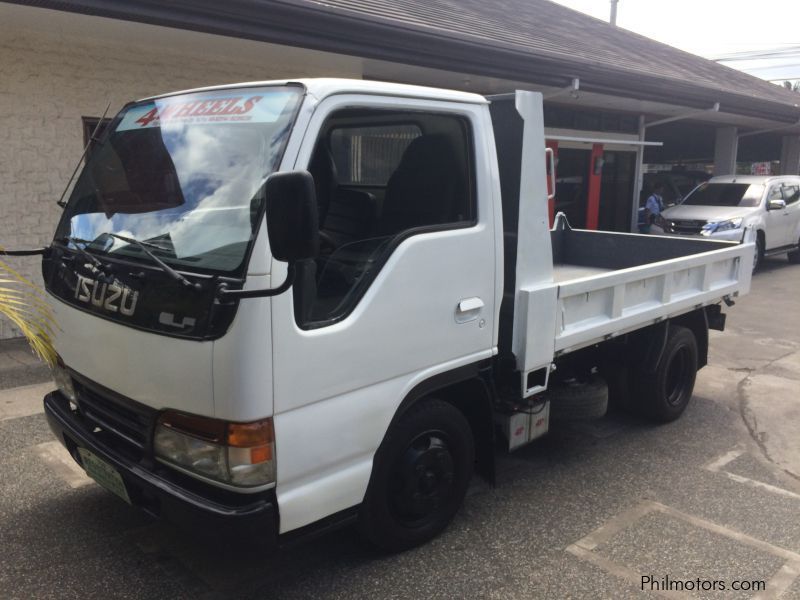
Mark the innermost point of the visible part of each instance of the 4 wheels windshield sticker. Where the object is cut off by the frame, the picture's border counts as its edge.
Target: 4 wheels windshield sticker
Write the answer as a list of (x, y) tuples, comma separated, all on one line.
[(218, 107)]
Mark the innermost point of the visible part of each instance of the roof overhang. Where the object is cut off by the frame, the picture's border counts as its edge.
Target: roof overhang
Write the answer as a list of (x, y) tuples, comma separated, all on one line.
[(320, 27)]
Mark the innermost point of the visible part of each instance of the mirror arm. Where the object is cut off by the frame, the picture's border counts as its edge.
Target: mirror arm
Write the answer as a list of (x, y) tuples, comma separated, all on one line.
[(32, 252), (225, 294)]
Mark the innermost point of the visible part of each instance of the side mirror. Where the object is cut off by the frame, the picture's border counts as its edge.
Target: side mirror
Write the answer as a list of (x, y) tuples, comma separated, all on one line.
[(776, 205), (292, 219)]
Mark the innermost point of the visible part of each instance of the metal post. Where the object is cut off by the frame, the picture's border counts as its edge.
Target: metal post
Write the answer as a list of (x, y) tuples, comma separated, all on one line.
[(613, 19), (638, 176), (726, 145)]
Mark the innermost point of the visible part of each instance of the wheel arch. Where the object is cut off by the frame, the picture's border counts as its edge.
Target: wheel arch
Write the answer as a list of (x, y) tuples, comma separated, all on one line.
[(697, 321), (470, 389), (648, 344)]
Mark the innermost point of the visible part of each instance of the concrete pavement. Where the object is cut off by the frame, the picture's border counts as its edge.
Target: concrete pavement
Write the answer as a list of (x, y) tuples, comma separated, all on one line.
[(760, 353), (19, 366)]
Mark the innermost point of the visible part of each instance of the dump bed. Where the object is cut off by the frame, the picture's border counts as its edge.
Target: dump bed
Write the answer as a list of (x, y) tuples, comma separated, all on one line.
[(611, 283), (566, 289)]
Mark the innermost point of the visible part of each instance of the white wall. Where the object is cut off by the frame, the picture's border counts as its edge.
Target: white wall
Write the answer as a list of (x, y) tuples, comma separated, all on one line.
[(57, 67)]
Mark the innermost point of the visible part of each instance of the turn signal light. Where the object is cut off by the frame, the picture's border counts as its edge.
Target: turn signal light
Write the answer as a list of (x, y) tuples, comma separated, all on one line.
[(239, 454)]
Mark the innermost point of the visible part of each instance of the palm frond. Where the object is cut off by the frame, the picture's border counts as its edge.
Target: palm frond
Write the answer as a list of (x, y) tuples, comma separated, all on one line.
[(23, 303)]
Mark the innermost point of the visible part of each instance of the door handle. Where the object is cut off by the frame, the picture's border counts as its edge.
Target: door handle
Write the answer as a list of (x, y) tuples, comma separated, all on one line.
[(469, 305)]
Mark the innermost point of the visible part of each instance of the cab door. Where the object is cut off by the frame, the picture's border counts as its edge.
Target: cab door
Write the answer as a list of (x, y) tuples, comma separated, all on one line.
[(402, 294)]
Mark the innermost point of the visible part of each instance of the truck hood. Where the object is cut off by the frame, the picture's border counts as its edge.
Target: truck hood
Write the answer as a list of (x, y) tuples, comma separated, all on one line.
[(708, 213), (155, 370)]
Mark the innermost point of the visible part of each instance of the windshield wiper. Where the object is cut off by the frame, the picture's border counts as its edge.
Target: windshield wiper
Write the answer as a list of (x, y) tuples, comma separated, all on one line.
[(99, 267), (144, 246)]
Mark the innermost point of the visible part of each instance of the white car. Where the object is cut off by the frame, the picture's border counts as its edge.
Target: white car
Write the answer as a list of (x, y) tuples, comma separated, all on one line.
[(723, 207)]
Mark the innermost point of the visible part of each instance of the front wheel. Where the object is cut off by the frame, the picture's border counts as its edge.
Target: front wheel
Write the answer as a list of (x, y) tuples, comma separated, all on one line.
[(664, 394), (419, 478), (794, 255), (759, 255)]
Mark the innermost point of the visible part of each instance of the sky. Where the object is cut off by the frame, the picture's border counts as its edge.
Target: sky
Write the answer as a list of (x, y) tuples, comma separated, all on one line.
[(715, 28)]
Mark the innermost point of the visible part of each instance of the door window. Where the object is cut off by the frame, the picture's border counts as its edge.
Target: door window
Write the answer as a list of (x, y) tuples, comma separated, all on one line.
[(791, 193), (380, 177), (775, 193)]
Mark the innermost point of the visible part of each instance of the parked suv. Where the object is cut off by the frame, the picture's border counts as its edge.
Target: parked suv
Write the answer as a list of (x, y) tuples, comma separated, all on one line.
[(723, 207)]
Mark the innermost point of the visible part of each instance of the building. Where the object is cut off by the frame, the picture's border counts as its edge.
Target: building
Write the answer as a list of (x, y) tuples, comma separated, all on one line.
[(614, 100)]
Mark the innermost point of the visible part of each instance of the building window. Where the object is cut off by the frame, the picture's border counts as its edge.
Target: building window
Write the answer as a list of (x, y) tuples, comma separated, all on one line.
[(89, 126), (369, 155), (563, 117)]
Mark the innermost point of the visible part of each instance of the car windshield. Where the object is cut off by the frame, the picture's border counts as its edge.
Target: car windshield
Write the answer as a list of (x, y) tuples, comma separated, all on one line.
[(725, 194), (184, 173)]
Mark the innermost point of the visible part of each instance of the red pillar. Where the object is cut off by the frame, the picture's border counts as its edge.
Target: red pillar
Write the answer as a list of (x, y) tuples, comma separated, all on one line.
[(593, 192), (551, 204)]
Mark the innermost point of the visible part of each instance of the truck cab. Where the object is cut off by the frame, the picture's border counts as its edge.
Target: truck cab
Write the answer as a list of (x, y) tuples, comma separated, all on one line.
[(407, 210)]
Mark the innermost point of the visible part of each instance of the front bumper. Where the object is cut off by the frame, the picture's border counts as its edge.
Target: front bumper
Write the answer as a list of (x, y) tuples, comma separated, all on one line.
[(166, 494), (731, 235)]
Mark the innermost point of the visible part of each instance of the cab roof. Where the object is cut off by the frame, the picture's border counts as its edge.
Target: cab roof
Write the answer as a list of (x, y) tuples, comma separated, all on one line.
[(323, 87)]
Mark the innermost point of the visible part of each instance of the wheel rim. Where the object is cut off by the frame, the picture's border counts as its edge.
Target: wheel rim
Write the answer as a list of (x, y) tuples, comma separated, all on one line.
[(676, 379), (422, 479)]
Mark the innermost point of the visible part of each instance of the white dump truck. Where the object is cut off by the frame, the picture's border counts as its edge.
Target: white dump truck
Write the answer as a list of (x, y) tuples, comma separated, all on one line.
[(288, 306)]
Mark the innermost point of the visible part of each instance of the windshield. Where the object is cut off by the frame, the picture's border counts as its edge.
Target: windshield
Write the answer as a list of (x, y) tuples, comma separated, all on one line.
[(725, 194), (184, 173)]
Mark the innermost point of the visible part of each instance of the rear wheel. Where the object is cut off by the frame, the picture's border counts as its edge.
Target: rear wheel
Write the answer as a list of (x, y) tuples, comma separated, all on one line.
[(664, 394), (419, 478), (794, 255)]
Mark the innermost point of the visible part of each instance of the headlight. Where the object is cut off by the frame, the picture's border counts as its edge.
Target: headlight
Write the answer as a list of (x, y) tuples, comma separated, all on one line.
[(718, 226), (63, 380), (240, 454)]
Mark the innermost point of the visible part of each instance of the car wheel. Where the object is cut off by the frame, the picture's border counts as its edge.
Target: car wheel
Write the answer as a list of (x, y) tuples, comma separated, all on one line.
[(759, 255), (664, 394), (794, 255), (420, 477)]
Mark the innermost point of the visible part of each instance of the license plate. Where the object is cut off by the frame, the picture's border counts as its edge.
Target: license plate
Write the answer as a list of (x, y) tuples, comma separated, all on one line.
[(104, 474)]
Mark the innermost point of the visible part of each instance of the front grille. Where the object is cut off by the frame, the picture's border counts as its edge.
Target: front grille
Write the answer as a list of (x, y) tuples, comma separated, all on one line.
[(126, 420), (684, 226)]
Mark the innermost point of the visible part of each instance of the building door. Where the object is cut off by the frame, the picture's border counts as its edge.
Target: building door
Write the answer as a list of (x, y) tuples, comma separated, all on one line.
[(572, 185), (616, 190)]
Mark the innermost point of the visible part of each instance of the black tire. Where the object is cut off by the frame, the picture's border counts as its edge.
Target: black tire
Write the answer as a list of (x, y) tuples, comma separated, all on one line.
[(759, 255), (794, 255), (579, 400), (665, 394), (419, 478)]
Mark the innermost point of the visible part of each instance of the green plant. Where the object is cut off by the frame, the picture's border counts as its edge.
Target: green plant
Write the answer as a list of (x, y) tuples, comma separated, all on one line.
[(23, 303)]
